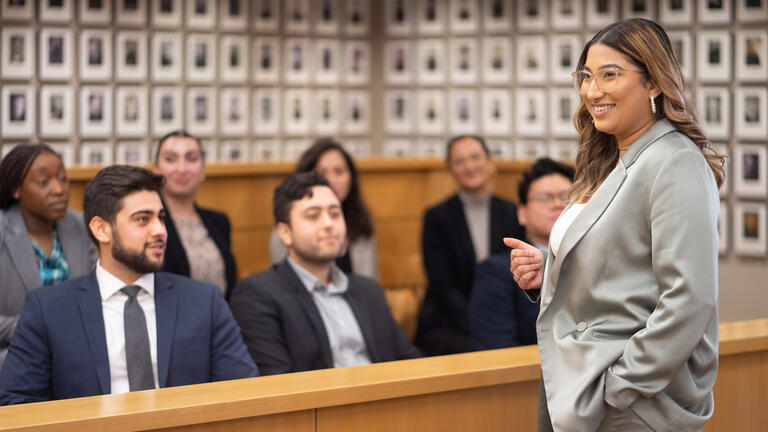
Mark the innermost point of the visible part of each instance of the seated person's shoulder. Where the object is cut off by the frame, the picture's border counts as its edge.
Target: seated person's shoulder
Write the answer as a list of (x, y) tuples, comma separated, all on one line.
[(189, 285), (216, 215), (264, 282)]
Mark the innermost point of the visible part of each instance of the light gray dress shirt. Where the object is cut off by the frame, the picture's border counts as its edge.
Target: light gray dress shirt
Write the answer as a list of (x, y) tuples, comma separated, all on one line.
[(344, 336), (477, 210)]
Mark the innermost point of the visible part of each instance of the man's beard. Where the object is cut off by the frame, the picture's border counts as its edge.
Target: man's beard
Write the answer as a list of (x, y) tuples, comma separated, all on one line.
[(313, 255), (136, 261)]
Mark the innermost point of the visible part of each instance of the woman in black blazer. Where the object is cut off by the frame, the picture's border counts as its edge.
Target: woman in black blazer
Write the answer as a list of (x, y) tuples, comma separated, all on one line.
[(198, 244)]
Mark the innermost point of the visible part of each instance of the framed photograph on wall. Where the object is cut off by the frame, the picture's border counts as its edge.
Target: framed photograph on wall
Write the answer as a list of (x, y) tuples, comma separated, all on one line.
[(297, 111), (166, 57), (96, 153), (131, 12), (326, 17), (265, 150), (497, 61), (531, 59), (464, 113), (131, 111), (296, 60), (722, 229), (397, 17), (18, 111), (496, 112), (59, 11), (132, 153), (201, 57), (638, 9), (201, 14), (431, 17), (266, 60), (398, 112), (600, 13), (326, 119), (749, 225), (357, 112), (95, 111), (564, 52), (17, 10), (532, 15), (714, 56), (464, 16), (501, 149), (233, 111), (56, 54), (233, 14), (567, 15), (675, 12), (234, 151), (357, 62), (95, 55), (681, 45), (714, 106), (530, 112), (397, 148), (167, 110), (497, 16), (166, 13), (357, 147), (529, 149), (17, 50), (357, 17), (563, 103), (714, 11), (751, 11), (752, 55), (327, 61), (464, 61), (233, 58), (294, 147), (296, 18), (266, 111), (57, 111), (723, 149), (431, 112), (431, 65), (751, 111), (266, 14), (430, 148), (750, 179), (66, 151), (95, 11), (397, 59), (201, 111), (563, 150), (131, 56)]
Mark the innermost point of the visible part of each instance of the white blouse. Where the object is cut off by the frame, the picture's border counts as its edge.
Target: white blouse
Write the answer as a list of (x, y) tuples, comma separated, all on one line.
[(562, 224)]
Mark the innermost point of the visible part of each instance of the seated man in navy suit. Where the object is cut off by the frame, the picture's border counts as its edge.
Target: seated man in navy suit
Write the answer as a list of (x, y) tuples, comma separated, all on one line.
[(500, 313), (125, 326), (305, 313)]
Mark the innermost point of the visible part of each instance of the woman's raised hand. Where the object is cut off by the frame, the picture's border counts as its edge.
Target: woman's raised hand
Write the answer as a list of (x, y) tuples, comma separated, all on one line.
[(526, 263)]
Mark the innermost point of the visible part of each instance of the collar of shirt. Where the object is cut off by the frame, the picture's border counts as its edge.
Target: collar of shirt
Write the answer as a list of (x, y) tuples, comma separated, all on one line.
[(339, 281), (541, 247), (471, 200), (109, 284)]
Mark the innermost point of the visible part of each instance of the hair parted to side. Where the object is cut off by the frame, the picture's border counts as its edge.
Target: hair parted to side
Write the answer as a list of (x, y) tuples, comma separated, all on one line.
[(181, 134), (14, 168), (294, 188), (457, 138), (541, 168), (647, 46), (356, 214), (105, 192)]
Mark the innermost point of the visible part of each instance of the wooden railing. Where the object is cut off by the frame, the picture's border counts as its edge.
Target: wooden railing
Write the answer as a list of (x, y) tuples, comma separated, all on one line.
[(482, 391)]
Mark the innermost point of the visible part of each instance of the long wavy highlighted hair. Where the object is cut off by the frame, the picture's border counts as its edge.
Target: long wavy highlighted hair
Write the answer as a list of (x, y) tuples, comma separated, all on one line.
[(647, 46)]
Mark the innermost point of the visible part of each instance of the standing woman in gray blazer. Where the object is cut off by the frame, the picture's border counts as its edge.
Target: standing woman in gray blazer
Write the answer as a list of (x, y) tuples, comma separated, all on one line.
[(627, 329), (42, 242)]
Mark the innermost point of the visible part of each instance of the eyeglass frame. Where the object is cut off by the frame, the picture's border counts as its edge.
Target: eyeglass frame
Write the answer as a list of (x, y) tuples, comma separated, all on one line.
[(620, 71), (549, 198)]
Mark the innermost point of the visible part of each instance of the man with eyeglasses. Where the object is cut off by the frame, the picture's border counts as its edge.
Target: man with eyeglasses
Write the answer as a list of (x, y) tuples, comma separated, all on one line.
[(500, 314)]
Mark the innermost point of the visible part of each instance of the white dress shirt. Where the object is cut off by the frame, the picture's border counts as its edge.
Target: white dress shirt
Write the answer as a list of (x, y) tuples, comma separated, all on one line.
[(112, 304), (562, 224)]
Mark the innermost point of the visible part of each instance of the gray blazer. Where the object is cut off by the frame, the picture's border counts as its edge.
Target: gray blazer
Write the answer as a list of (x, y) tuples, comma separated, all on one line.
[(18, 264), (629, 304)]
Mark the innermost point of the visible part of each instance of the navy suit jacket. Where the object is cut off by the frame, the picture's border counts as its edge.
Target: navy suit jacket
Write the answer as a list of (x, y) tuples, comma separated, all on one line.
[(59, 349), (500, 313)]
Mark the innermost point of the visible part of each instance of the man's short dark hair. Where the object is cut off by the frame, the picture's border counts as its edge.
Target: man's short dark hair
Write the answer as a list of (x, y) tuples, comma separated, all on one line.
[(104, 194), (295, 188), (542, 167), (454, 140)]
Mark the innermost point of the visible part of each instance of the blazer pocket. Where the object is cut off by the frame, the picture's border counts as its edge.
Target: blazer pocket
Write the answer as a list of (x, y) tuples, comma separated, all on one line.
[(602, 335)]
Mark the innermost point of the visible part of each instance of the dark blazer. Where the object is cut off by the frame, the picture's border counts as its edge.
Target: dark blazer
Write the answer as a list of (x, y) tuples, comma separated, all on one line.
[(59, 349), (500, 314), (284, 331), (449, 262), (217, 224)]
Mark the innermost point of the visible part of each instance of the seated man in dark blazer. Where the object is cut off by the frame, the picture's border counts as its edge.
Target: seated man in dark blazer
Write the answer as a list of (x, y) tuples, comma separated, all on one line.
[(124, 327), (500, 313), (458, 233), (305, 313)]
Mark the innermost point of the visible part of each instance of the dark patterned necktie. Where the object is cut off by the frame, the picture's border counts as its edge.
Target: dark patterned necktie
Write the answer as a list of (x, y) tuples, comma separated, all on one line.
[(137, 357)]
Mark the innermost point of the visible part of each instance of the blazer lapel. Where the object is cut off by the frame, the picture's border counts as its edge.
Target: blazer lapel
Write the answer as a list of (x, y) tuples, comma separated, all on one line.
[(89, 302), (20, 245), (304, 298), (166, 307), (357, 304)]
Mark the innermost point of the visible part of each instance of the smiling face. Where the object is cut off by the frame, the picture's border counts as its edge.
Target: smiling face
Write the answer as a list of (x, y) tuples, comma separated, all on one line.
[(180, 161), (470, 166), (44, 192), (625, 112)]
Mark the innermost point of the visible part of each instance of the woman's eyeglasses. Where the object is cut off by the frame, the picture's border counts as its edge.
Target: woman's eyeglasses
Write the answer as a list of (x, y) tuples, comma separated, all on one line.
[(605, 79)]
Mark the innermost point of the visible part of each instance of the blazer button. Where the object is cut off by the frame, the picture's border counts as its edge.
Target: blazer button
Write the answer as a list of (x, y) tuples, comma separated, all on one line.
[(581, 326)]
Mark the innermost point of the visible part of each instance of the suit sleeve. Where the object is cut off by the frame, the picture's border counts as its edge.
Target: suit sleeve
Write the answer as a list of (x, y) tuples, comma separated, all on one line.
[(684, 209), (260, 323), (26, 374), (492, 310), (229, 356)]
